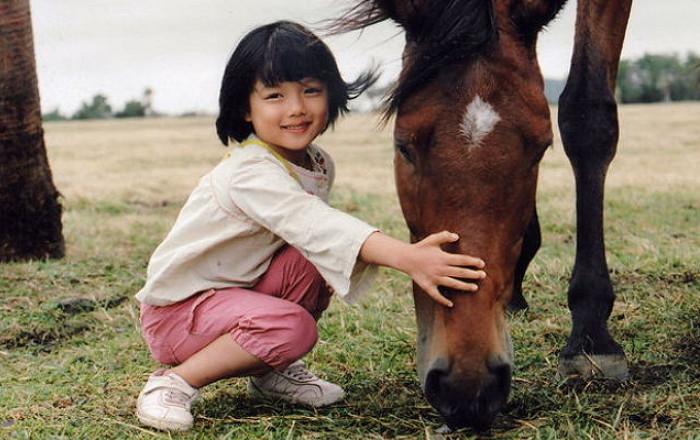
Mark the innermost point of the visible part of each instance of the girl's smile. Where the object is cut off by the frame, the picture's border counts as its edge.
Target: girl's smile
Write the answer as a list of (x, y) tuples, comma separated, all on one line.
[(288, 116), (299, 128)]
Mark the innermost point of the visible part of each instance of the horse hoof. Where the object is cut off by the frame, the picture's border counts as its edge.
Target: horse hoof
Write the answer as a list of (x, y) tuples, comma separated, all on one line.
[(593, 366)]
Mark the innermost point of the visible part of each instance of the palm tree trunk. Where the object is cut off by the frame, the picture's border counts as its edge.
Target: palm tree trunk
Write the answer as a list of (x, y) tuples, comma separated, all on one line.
[(30, 214)]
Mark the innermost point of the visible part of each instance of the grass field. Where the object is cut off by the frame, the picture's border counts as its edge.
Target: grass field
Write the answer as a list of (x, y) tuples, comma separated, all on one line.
[(76, 375)]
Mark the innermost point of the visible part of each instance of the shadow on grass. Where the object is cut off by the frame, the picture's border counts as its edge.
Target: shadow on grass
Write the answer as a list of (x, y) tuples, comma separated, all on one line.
[(682, 354), (42, 330), (662, 388), (688, 345), (380, 406)]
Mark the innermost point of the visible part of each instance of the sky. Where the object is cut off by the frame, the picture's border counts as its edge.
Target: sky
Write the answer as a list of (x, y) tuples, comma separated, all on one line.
[(179, 48)]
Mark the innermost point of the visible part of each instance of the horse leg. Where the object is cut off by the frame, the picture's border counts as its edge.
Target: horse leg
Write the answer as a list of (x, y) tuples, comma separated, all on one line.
[(531, 244), (589, 129)]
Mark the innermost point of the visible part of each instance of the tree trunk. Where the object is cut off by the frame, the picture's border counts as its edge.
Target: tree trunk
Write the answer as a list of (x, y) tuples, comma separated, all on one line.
[(30, 214)]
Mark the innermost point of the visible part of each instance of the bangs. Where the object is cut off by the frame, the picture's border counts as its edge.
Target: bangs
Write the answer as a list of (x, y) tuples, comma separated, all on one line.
[(293, 56)]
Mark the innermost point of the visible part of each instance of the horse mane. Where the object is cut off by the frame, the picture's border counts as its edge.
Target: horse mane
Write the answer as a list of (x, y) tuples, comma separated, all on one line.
[(441, 33)]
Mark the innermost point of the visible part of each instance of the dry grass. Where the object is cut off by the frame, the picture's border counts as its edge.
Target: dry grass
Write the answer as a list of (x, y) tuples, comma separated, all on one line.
[(647, 133), (146, 159)]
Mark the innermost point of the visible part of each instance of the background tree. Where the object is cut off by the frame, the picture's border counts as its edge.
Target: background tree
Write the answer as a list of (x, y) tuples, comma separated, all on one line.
[(147, 102), (53, 115), (30, 214), (659, 78), (99, 108), (138, 108), (132, 109)]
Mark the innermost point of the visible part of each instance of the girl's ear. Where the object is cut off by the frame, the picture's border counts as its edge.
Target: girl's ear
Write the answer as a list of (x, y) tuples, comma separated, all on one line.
[(247, 117)]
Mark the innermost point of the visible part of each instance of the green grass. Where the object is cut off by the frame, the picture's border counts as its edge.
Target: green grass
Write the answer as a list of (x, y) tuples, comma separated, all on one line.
[(76, 376)]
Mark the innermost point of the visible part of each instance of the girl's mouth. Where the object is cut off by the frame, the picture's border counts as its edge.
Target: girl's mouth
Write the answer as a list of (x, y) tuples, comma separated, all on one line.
[(300, 127)]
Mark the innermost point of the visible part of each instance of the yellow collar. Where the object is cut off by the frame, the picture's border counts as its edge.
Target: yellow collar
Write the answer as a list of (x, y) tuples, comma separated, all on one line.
[(279, 157)]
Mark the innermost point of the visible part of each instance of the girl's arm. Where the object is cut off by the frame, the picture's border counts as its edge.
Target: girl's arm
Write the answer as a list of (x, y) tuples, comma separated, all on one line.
[(425, 262)]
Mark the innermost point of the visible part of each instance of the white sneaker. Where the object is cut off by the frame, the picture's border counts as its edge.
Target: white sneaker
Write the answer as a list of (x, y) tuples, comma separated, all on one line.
[(296, 384), (165, 402)]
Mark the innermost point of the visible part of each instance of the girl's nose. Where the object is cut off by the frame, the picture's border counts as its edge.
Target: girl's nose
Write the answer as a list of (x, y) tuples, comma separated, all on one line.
[(297, 106)]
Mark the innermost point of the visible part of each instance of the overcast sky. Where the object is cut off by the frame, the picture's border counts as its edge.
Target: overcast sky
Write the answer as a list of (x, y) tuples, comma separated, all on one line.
[(179, 47)]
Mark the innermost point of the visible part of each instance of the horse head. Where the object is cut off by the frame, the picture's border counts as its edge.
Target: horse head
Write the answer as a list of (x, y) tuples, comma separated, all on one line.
[(472, 124)]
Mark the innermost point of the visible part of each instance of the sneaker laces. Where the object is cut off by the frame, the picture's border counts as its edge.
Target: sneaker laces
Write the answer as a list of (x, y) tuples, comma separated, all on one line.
[(298, 372), (177, 397), (176, 392)]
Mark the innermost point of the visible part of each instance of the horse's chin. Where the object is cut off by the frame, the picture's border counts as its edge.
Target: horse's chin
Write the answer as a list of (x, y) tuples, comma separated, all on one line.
[(458, 418), (477, 414)]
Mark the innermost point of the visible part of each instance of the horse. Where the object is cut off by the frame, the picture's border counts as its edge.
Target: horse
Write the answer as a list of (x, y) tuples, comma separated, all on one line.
[(471, 126)]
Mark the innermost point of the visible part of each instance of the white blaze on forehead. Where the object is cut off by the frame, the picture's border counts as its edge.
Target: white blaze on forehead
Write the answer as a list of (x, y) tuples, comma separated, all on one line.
[(478, 121)]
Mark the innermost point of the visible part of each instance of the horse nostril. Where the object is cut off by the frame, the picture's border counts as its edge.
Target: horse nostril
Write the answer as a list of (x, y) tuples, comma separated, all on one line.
[(501, 372), (469, 402), (499, 386), (434, 385)]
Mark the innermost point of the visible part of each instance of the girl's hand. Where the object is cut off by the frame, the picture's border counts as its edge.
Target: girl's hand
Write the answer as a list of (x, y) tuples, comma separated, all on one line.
[(426, 262), (430, 267)]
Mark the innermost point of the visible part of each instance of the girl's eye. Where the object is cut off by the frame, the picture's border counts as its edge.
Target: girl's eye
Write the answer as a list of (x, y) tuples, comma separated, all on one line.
[(313, 91), (272, 96)]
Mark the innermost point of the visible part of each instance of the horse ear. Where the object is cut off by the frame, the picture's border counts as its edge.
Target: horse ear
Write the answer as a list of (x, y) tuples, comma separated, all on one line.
[(530, 17), (437, 21)]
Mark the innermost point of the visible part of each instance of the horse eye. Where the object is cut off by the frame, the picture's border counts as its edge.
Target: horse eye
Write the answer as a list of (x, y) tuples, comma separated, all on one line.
[(403, 149)]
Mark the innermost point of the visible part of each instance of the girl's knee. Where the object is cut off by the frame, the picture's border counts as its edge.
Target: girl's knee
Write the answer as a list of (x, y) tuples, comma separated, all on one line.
[(302, 335), (278, 337), (297, 336)]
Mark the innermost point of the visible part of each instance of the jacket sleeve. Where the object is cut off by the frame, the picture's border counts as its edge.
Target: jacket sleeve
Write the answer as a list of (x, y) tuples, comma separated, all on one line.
[(328, 237)]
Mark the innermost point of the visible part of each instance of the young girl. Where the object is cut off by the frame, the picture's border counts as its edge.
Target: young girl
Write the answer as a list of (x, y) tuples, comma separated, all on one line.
[(236, 287)]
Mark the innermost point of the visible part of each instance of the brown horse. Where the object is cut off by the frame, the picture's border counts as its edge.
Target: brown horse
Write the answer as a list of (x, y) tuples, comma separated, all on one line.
[(472, 124)]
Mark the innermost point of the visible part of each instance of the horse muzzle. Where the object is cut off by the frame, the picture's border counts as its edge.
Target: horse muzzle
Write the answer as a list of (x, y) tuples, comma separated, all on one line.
[(468, 398)]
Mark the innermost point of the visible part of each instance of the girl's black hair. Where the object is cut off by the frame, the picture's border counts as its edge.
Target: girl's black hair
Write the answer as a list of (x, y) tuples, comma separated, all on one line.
[(274, 53)]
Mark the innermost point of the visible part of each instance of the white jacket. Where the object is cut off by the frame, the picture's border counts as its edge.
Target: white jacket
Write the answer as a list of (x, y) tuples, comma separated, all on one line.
[(244, 210)]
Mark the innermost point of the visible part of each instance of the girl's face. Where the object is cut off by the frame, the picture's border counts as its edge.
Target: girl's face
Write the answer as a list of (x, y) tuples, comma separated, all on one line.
[(289, 116)]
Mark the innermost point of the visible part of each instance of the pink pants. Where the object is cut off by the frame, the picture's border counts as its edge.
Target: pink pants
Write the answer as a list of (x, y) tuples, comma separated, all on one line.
[(275, 320)]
